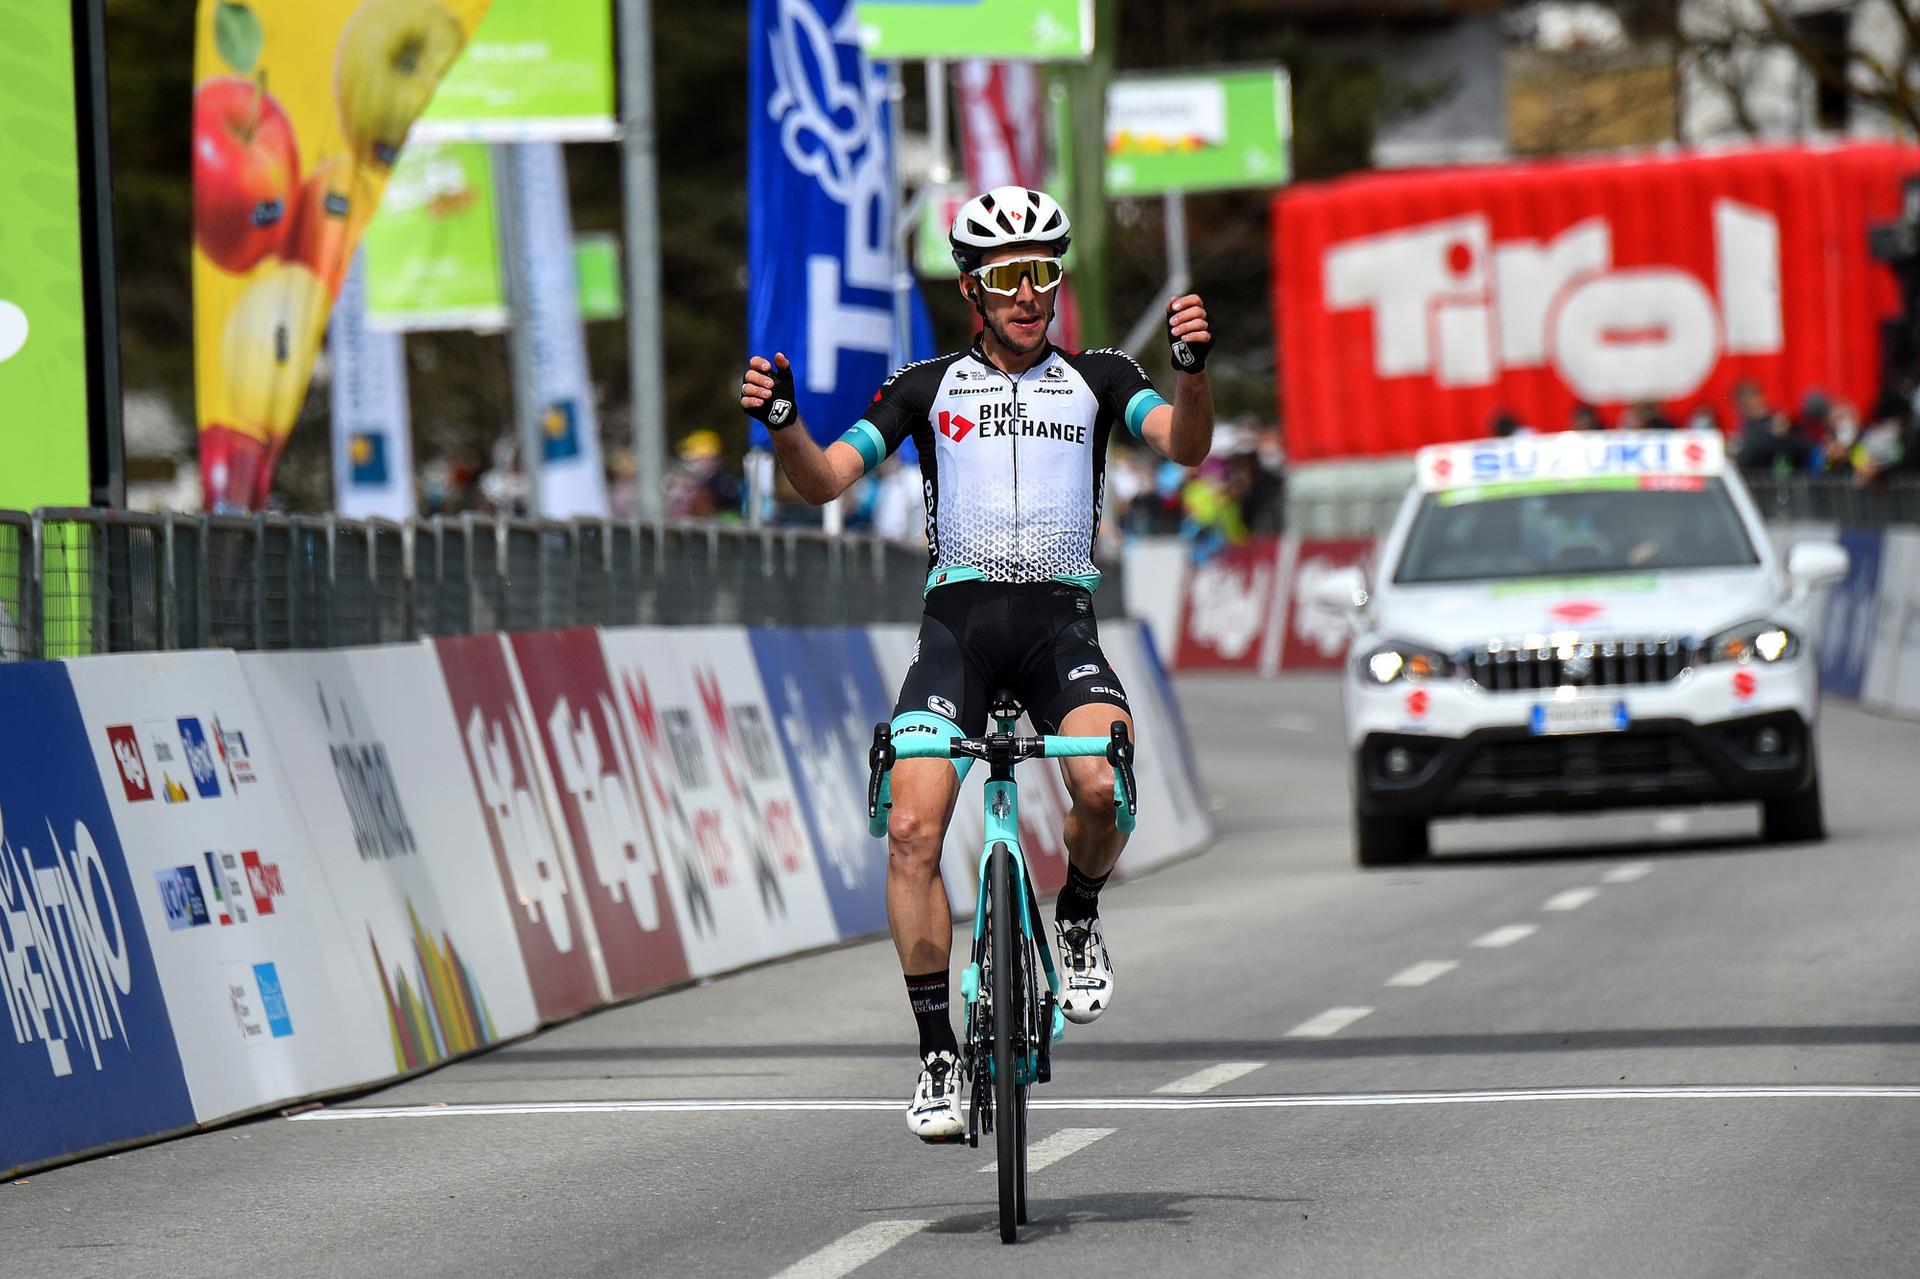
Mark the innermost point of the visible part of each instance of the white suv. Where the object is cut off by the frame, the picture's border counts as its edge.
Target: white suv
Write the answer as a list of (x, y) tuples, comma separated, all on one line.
[(1579, 621)]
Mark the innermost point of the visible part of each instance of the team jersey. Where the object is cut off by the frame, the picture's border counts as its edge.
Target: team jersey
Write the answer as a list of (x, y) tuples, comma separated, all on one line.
[(1013, 467)]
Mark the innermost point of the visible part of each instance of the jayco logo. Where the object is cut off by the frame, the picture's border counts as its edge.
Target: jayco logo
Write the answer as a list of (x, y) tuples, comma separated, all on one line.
[(1450, 304)]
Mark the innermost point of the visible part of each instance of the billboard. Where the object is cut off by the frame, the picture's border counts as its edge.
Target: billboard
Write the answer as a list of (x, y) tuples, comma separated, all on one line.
[(534, 70), (43, 318), (299, 113), (433, 251), (1198, 132), (1411, 307), (1036, 30)]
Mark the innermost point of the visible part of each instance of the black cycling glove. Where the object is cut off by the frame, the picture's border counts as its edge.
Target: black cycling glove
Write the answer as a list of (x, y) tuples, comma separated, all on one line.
[(779, 410), (1188, 357)]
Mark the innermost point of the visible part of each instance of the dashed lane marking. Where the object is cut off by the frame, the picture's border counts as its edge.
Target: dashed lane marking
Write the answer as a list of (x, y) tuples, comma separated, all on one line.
[(1628, 873), (1210, 1078), (1505, 936), (852, 1250), (1221, 1101), (1052, 1149), (1423, 972), (1330, 1022), (1672, 824), (1572, 899)]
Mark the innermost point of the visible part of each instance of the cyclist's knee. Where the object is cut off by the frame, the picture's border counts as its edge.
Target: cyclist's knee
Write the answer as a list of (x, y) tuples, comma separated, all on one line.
[(914, 836), (1092, 792)]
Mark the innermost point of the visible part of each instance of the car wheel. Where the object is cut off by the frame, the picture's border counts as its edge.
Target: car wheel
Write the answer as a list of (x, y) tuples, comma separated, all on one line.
[(1388, 841), (1797, 818)]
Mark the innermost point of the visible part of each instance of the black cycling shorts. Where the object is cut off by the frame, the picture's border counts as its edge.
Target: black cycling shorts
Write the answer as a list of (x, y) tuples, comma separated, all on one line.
[(1037, 640)]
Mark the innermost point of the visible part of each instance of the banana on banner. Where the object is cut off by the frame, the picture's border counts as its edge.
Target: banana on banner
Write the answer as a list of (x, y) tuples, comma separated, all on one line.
[(300, 108)]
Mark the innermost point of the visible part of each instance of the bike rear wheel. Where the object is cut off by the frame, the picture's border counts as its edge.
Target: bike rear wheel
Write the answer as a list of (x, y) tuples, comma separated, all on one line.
[(1008, 986)]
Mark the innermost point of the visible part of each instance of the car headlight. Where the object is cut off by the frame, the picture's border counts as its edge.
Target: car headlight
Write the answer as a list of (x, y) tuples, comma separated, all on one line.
[(1385, 663), (1763, 642)]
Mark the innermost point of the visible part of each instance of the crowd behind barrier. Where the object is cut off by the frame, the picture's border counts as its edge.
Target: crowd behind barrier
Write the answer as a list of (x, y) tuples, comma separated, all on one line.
[(230, 881), (76, 581)]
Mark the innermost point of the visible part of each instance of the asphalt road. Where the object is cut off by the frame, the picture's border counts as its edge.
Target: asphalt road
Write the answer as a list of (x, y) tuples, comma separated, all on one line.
[(1633, 1045)]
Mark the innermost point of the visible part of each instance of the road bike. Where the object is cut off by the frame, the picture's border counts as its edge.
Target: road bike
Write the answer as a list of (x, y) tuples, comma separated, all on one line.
[(1010, 1025)]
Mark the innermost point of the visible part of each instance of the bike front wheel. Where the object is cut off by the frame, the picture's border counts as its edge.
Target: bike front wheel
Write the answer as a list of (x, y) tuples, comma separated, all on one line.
[(1008, 987)]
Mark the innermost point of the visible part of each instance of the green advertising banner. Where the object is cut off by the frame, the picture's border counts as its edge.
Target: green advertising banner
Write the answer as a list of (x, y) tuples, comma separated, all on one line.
[(596, 266), (1007, 30), (43, 327), (433, 258), (534, 70), (1198, 132)]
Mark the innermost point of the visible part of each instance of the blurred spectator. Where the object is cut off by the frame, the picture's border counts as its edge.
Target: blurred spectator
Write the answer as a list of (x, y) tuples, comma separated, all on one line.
[(900, 502), (1647, 415), (1503, 424), (1883, 445), (504, 489), (1704, 418), (1211, 513), (699, 486), (623, 487), (1835, 456), (1255, 489), (1810, 424), (1767, 442), (1584, 418)]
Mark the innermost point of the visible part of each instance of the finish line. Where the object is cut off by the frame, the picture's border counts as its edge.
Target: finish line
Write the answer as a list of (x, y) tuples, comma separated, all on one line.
[(1270, 1101)]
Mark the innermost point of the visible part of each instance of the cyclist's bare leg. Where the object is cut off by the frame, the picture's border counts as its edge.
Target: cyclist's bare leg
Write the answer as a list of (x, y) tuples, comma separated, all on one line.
[(1093, 840), (924, 791)]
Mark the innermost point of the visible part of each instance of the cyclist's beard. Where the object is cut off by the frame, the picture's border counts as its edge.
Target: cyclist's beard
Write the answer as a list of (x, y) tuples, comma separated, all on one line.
[(1010, 338)]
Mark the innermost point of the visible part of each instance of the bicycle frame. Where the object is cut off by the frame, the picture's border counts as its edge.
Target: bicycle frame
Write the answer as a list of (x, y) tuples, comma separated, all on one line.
[(1001, 751)]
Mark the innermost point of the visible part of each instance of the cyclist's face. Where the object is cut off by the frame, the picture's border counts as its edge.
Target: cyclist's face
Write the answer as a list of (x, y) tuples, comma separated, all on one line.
[(1019, 322)]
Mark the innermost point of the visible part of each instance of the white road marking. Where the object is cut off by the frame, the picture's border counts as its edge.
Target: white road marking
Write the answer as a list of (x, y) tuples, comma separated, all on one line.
[(1210, 1078), (1572, 899), (1330, 1022), (1054, 1148), (1223, 1101), (1423, 972), (851, 1251), (1628, 873), (1672, 824), (1505, 936), (1294, 722)]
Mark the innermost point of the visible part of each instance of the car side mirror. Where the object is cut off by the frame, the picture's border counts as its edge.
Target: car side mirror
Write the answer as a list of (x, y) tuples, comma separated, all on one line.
[(1341, 590), (1813, 564)]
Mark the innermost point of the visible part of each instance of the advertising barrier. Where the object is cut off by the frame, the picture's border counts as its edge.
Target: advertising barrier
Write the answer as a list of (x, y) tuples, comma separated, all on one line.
[(235, 882), (262, 988), (91, 1060), (1231, 609), (1314, 637), (399, 840)]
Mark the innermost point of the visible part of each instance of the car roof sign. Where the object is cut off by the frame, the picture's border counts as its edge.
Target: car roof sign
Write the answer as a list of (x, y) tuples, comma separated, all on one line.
[(1569, 455)]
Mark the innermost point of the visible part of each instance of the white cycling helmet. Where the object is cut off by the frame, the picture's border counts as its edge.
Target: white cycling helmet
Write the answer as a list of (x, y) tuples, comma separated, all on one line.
[(1003, 216)]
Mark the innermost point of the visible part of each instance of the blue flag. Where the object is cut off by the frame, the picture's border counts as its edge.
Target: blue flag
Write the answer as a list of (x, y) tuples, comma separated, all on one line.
[(821, 256)]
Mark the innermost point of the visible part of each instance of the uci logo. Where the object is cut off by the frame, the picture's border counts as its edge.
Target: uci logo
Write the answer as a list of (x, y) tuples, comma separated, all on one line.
[(778, 412)]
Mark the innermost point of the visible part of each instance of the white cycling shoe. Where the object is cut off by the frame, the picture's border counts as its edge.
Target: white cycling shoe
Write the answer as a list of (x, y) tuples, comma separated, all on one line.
[(934, 1114), (1086, 970)]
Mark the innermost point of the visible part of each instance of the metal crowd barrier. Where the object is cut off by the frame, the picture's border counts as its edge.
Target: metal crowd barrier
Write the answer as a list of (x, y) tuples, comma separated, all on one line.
[(75, 581)]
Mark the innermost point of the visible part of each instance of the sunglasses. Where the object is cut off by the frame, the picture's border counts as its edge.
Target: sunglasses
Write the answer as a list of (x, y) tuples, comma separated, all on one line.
[(1004, 277)]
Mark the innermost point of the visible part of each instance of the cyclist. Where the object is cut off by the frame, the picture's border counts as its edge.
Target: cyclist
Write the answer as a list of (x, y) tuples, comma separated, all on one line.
[(1012, 435)]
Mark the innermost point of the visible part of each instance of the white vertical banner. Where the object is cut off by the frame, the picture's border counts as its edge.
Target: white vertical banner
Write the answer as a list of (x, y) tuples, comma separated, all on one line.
[(572, 479), (372, 425)]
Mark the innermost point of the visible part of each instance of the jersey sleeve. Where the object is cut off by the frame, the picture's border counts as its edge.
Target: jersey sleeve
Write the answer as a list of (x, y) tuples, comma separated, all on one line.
[(1123, 388), (902, 400)]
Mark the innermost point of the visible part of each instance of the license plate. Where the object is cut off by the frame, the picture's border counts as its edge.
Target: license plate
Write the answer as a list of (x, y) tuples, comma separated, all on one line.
[(1580, 716)]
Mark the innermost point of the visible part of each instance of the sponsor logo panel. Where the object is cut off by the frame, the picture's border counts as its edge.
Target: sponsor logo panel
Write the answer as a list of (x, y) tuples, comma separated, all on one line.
[(127, 757)]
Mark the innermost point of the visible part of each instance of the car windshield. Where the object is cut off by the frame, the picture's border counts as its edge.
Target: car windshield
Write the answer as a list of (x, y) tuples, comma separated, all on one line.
[(1606, 525)]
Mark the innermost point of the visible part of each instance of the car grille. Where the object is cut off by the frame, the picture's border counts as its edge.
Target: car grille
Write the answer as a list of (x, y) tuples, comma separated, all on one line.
[(1595, 759), (1509, 668)]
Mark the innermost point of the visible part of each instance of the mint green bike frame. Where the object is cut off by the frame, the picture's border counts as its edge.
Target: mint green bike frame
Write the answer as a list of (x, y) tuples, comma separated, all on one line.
[(1003, 827)]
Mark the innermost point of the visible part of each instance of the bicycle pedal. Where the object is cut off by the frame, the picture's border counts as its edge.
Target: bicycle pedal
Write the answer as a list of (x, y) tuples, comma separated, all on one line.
[(958, 1139)]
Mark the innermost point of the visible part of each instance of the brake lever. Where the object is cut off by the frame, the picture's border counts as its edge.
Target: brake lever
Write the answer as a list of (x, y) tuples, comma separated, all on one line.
[(880, 761), (1120, 755)]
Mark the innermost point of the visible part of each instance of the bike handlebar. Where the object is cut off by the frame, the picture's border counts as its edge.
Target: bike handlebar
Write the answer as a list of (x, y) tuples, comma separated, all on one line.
[(1116, 748)]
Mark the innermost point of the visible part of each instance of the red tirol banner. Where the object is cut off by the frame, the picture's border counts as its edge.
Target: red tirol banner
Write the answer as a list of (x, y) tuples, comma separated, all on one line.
[(1316, 637), (1412, 307), (1228, 613)]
